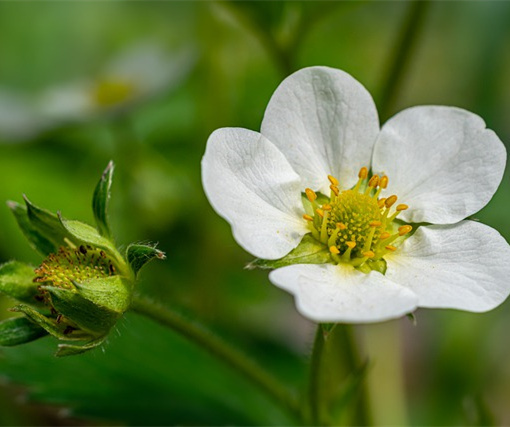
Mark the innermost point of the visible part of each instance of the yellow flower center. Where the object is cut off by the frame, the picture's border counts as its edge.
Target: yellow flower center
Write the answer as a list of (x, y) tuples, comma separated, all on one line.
[(357, 225), (110, 92)]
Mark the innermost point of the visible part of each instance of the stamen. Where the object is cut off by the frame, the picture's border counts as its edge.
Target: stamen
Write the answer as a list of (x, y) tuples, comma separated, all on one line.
[(372, 183), (334, 189), (347, 254), (320, 212), (363, 173), (333, 180), (402, 207), (369, 254), (341, 225), (310, 194), (383, 183), (334, 250), (403, 230), (391, 248), (390, 201), (307, 217), (384, 235), (381, 202)]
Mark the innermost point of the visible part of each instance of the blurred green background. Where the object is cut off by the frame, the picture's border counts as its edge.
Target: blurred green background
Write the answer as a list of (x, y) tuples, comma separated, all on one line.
[(455, 365)]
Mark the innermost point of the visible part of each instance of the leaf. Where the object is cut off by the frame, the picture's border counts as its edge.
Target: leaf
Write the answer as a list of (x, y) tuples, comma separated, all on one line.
[(73, 350), (16, 281), (19, 330), (40, 243), (89, 316), (309, 251), (111, 292), (101, 199), (139, 255)]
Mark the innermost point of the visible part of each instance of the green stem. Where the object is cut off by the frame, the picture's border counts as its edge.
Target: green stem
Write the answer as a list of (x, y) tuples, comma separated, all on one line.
[(207, 339), (314, 382), (400, 59)]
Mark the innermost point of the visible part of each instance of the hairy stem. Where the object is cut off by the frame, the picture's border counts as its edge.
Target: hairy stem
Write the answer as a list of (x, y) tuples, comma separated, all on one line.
[(207, 339)]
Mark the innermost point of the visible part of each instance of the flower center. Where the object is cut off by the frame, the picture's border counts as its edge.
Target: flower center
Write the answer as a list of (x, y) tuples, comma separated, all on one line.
[(357, 226), (74, 265)]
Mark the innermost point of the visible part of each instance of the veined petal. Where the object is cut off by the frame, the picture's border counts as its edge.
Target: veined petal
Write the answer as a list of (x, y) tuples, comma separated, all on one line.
[(339, 293), (463, 266), (325, 122), (249, 182), (441, 161)]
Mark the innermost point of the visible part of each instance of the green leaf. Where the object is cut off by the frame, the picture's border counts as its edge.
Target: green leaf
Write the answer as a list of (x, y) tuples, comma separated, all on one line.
[(111, 292), (16, 281), (309, 251), (89, 316), (19, 330), (47, 224), (73, 350), (139, 255), (40, 243), (49, 324), (101, 199)]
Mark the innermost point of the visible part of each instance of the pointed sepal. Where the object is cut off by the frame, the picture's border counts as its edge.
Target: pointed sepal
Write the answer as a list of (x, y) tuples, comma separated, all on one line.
[(81, 311), (37, 240), (73, 349), (19, 330), (101, 200), (113, 292), (309, 251), (138, 255), (17, 281)]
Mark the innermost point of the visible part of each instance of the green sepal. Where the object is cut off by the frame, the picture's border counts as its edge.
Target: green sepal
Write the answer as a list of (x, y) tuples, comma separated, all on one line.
[(101, 199), (88, 235), (309, 251), (50, 325), (72, 350), (113, 292), (16, 281), (40, 243), (47, 224), (19, 330), (81, 311), (139, 255)]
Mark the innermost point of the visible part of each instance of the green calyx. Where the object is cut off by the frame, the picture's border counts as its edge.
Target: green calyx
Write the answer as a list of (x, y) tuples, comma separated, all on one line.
[(83, 285)]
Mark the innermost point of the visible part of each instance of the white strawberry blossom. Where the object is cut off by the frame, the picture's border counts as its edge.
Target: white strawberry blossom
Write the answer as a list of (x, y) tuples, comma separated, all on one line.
[(442, 162)]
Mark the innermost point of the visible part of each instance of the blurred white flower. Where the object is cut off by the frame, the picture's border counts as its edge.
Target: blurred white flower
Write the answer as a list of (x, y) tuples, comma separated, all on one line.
[(138, 74), (302, 184)]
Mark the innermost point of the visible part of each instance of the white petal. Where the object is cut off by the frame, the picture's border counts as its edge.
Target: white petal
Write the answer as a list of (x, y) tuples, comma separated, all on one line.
[(441, 161), (251, 184), (339, 293), (464, 266), (325, 122)]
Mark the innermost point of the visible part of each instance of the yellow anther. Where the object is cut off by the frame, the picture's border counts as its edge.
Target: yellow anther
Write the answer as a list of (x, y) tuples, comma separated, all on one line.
[(402, 207), (307, 217), (404, 229), (310, 194), (363, 173), (375, 223), (333, 180), (320, 212), (369, 254), (383, 182), (351, 245), (341, 225), (326, 207), (334, 250), (381, 202), (384, 235), (391, 248), (334, 189), (390, 201), (374, 181)]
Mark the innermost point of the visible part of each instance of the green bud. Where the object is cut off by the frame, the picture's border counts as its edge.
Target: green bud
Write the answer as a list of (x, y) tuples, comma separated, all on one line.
[(139, 255)]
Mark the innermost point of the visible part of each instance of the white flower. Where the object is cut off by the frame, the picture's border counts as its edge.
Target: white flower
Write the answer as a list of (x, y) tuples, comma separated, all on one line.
[(139, 73), (320, 128)]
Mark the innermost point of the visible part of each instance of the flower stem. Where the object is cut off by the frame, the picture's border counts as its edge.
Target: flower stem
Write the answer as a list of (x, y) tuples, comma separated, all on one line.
[(207, 339), (337, 393), (400, 58)]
